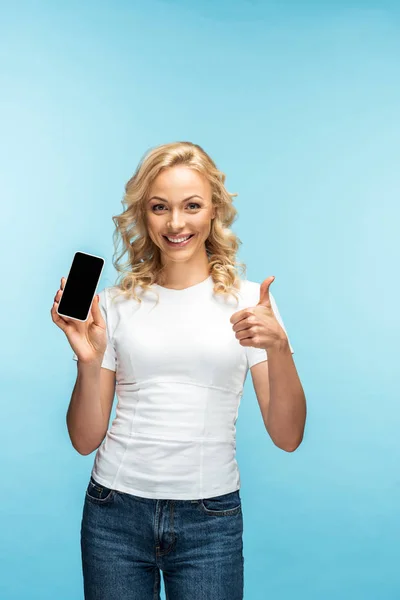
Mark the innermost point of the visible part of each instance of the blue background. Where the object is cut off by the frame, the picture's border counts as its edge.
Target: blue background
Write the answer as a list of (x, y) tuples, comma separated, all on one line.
[(298, 103)]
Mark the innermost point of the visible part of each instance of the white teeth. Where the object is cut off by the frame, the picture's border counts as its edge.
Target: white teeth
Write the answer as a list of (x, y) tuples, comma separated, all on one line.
[(179, 240)]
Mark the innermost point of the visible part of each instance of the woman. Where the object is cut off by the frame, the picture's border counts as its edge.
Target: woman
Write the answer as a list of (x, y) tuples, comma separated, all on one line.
[(175, 338)]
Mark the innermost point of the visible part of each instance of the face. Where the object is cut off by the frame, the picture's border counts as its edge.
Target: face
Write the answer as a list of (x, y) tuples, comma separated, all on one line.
[(180, 206)]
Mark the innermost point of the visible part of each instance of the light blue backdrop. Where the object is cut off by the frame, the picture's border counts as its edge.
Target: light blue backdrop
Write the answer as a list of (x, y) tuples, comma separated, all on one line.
[(298, 102)]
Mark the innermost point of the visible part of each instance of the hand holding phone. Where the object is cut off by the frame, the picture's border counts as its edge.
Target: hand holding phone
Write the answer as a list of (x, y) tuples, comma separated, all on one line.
[(79, 316)]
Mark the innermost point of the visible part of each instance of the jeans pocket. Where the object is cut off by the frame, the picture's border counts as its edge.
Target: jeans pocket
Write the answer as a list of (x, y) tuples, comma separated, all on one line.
[(220, 506), (98, 493)]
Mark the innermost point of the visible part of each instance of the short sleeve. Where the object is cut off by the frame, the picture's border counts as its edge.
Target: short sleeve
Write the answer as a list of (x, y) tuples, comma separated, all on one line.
[(257, 355), (109, 358)]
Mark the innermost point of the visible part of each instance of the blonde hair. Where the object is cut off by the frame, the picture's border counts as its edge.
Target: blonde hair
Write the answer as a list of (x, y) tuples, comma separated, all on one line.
[(143, 265)]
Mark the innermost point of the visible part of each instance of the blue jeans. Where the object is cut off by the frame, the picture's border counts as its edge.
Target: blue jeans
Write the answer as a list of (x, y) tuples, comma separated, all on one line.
[(127, 541)]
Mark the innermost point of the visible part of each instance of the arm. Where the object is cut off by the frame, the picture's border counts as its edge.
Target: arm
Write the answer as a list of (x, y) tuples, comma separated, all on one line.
[(90, 406), (281, 397), (276, 382)]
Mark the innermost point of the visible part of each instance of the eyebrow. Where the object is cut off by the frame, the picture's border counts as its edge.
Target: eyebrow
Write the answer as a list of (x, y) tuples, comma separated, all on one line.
[(185, 200)]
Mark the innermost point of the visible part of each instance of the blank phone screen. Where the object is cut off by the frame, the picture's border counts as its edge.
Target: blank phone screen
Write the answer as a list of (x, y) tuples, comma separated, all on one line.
[(80, 286)]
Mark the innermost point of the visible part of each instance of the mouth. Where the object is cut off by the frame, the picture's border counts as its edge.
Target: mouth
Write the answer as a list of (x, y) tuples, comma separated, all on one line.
[(182, 241)]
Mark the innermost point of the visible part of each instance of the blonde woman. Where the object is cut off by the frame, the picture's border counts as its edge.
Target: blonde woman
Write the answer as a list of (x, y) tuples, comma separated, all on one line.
[(174, 338)]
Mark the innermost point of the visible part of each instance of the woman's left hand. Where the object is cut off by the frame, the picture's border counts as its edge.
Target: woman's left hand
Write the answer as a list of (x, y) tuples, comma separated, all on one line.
[(257, 326)]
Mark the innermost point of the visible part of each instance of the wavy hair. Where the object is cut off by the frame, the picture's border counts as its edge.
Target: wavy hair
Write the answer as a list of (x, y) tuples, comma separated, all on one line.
[(143, 266)]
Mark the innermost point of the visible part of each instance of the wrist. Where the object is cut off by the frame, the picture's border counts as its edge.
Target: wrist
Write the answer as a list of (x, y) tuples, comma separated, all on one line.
[(280, 346), (93, 364)]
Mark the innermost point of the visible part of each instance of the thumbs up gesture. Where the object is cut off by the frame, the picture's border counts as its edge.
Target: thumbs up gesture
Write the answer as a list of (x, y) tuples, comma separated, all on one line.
[(257, 326)]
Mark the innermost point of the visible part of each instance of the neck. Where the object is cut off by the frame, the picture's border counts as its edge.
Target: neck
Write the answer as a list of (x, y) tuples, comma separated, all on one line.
[(178, 276)]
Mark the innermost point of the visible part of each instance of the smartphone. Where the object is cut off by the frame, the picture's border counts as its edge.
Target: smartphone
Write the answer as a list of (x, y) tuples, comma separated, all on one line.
[(80, 286)]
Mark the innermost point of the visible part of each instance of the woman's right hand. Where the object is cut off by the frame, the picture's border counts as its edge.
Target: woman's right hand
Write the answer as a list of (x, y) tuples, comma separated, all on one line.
[(87, 339)]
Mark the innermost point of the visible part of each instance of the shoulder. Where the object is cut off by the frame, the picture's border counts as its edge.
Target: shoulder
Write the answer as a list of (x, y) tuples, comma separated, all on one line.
[(109, 302), (104, 294), (108, 295)]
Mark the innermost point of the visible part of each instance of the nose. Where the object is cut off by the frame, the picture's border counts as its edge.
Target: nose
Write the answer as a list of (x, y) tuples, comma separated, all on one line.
[(176, 220)]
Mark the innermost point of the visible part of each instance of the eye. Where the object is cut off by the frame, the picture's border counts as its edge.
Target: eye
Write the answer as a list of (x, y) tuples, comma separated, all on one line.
[(191, 206)]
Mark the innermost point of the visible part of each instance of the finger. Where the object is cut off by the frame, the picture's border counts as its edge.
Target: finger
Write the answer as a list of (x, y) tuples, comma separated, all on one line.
[(62, 285), (59, 321), (247, 342), (245, 323), (96, 312), (243, 333), (241, 314)]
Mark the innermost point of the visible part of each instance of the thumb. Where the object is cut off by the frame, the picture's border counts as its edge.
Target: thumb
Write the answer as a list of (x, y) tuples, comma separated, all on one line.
[(96, 312), (264, 292)]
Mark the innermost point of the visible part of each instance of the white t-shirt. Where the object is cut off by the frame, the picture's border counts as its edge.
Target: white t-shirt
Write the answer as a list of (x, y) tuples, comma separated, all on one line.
[(180, 372)]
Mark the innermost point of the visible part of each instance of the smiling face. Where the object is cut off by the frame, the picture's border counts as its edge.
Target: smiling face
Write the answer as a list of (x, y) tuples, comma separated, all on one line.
[(179, 206)]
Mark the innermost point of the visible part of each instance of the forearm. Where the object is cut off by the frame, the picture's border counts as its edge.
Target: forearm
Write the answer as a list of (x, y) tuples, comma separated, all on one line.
[(287, 404), (85, 420)]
